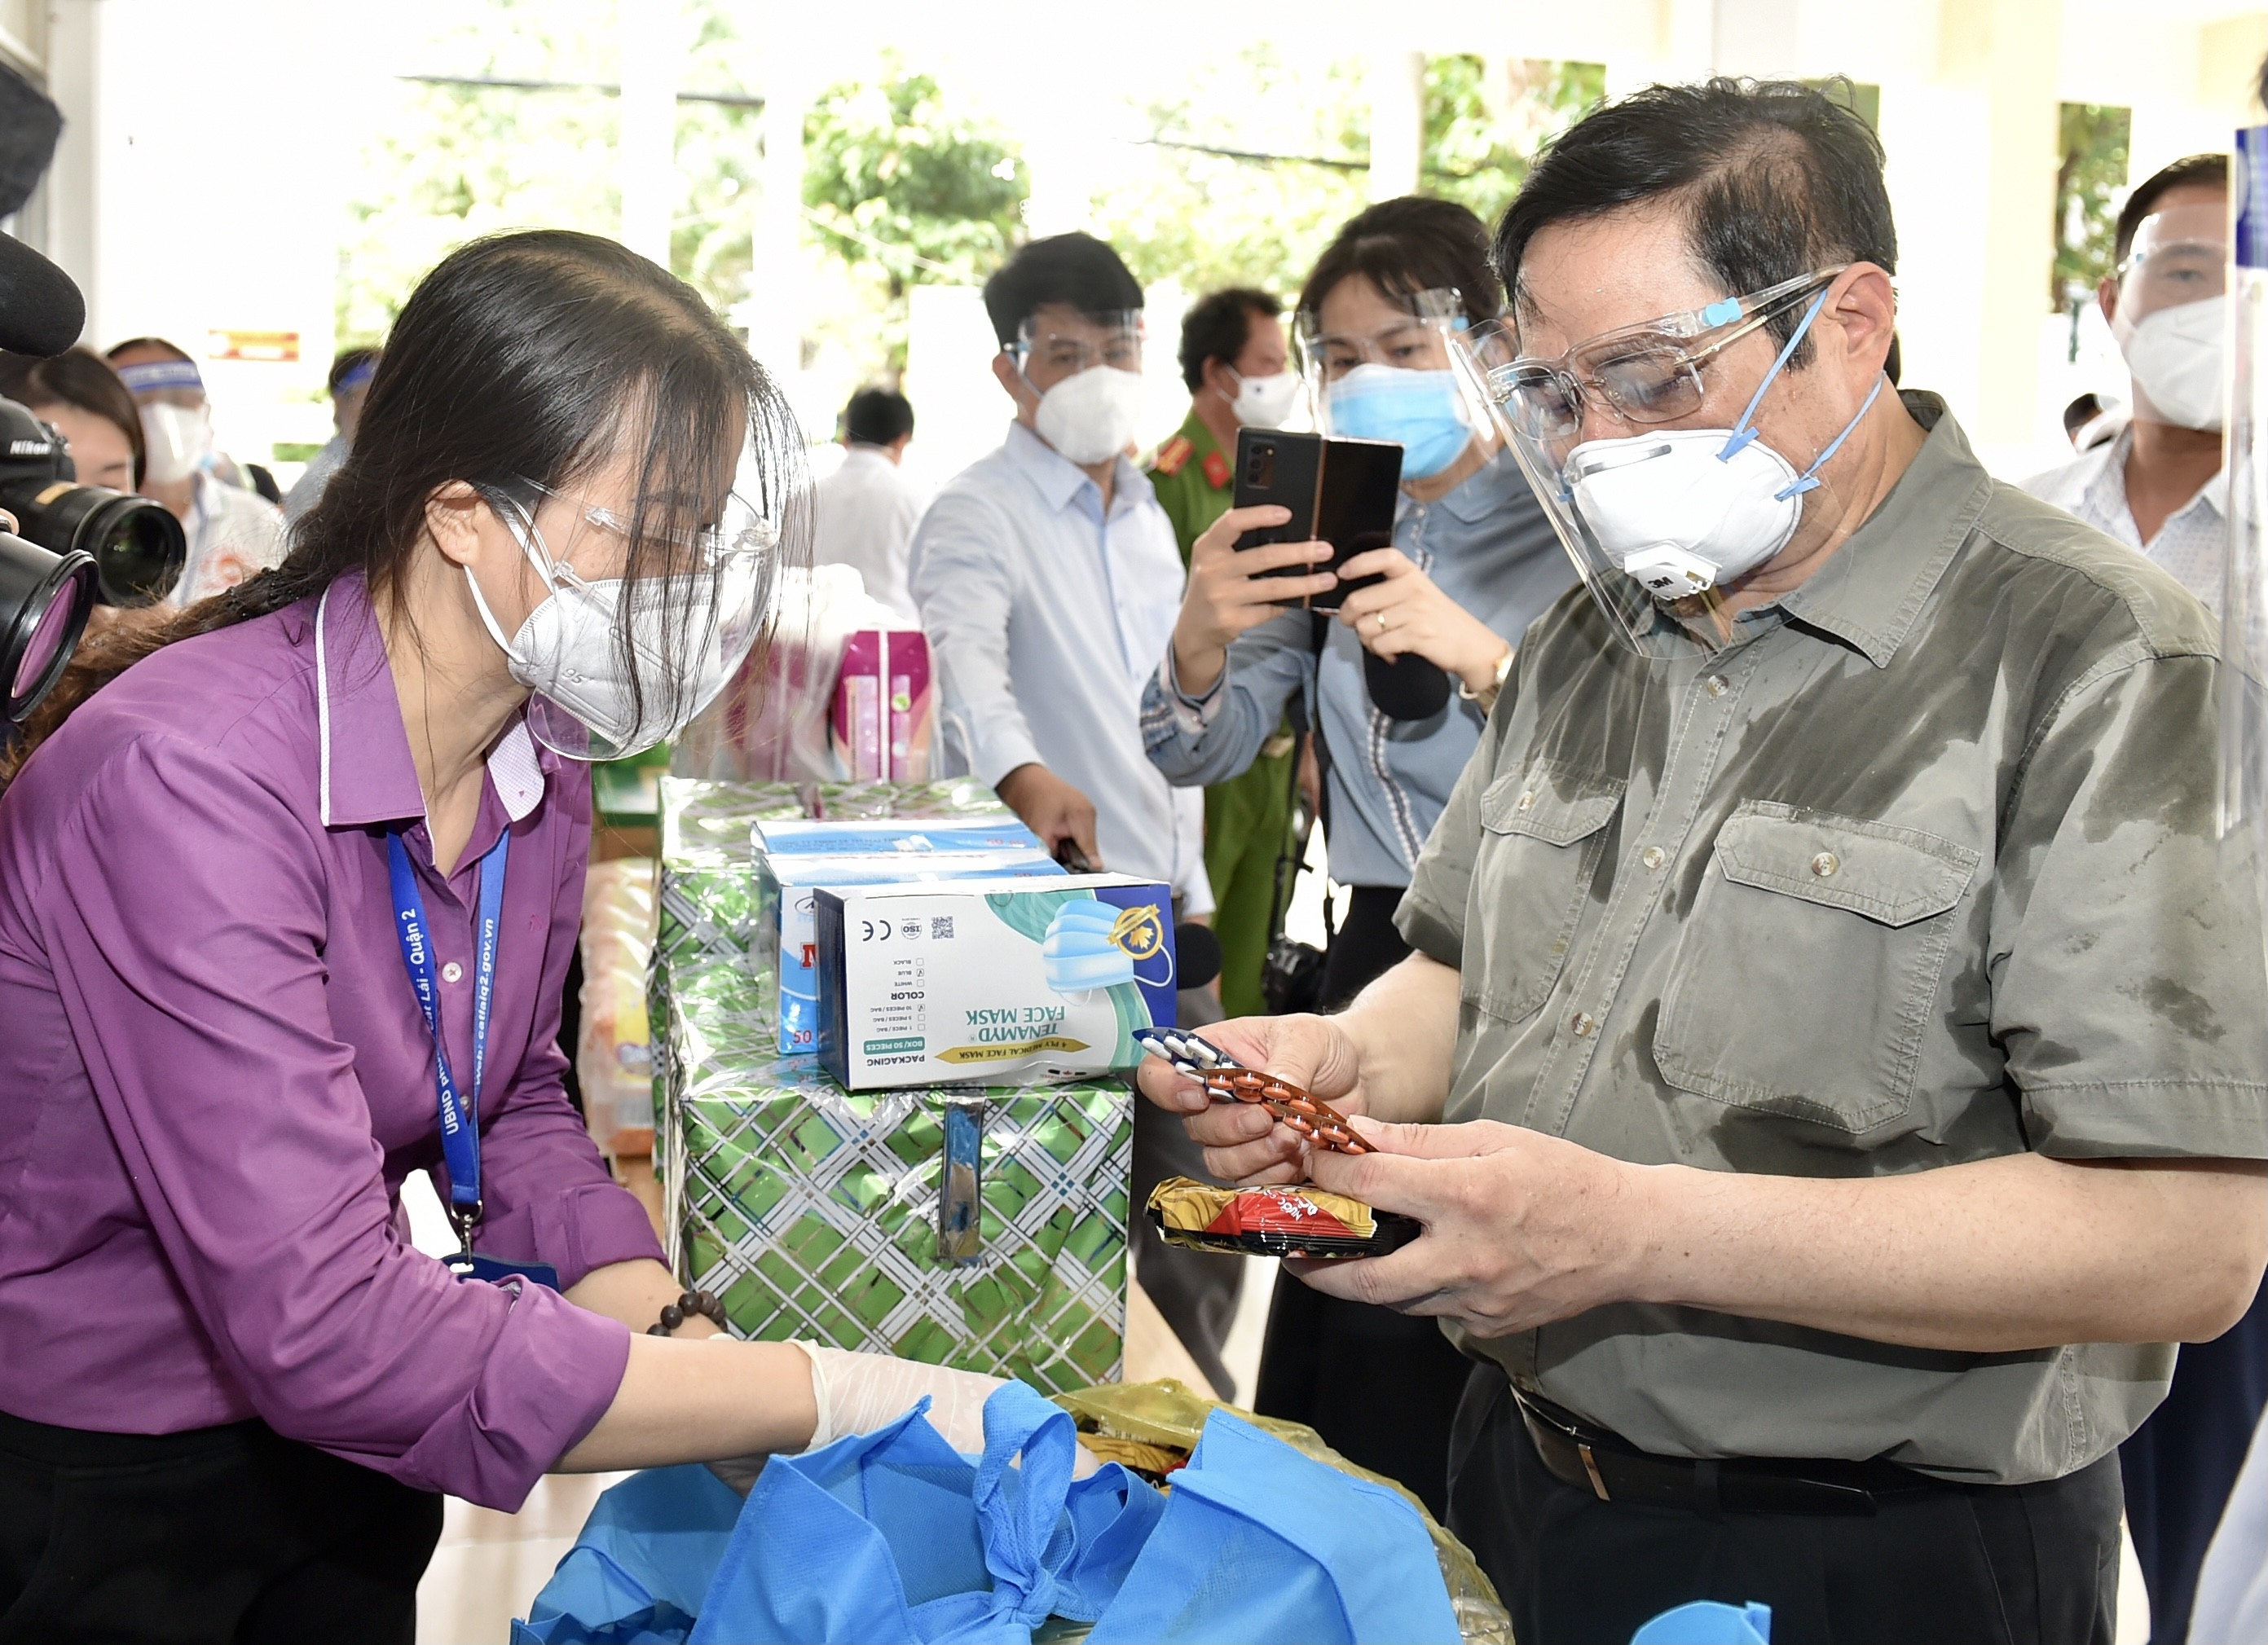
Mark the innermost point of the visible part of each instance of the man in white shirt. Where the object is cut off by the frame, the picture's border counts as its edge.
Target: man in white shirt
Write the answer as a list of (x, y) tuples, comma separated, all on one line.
[(1049, 581), (867, 508), (2158, 486)]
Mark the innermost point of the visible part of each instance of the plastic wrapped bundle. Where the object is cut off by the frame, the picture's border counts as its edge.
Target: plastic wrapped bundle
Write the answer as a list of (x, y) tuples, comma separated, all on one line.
[(980, 1228), (614, 1055)]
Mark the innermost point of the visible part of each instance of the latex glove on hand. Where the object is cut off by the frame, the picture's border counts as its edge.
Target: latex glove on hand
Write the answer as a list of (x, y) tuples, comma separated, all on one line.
[(857, 1393)]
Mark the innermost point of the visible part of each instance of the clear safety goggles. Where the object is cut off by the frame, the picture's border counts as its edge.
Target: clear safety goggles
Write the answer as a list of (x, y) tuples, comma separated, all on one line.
[(1645, 373), (1059, 343), (1431, 337), (2179, 255)]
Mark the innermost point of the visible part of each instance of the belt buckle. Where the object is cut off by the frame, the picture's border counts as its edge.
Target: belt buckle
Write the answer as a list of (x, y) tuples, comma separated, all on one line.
[(1591, 1469)]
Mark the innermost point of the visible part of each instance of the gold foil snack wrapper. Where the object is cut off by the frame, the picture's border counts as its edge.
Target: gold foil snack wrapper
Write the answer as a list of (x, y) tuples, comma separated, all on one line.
[(1286, 1221)]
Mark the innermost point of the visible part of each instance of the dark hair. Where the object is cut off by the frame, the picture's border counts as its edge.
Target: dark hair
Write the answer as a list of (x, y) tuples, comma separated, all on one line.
[(154, 344), (2081, 411), (80, 379), (1217, 327), (1077, 271), (1776, 179), (878, 416), (1408, 245), (2198, 171), (523, 361), (347, 362)]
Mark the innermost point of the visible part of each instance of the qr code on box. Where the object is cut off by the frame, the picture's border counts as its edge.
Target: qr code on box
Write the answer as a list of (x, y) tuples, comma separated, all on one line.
[(940, 928)]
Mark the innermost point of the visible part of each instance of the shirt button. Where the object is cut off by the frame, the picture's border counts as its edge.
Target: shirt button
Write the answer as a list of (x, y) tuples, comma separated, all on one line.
[(1584, 1024), (1654, 856), (1716, 685), (1825, 864), (1526, 800), (450, 972)]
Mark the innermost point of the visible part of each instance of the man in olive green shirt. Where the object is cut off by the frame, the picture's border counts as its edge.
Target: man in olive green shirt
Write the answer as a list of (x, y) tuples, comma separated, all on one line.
[(1234, 361), (1834, 1069)]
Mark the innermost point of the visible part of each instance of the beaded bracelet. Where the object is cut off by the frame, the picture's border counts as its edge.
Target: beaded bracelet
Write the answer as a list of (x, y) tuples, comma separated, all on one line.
[(675, 1314)]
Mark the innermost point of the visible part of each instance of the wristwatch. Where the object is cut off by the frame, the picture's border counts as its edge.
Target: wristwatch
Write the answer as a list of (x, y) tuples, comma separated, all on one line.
[(1487, 694)]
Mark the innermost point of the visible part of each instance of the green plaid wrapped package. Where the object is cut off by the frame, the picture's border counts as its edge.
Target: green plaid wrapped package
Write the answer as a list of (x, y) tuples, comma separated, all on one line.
[(811, 1212), (873, 802), (816, 1213)]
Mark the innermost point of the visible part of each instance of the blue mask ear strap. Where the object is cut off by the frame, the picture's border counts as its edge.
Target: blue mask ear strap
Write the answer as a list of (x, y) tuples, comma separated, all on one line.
[(1742, 432), (1810, 476)]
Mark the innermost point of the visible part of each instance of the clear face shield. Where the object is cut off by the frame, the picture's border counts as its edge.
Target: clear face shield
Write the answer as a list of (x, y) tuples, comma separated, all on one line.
[(1406, 381), (643, 622), (2172, 315), (1087, 369), (1640, 444)]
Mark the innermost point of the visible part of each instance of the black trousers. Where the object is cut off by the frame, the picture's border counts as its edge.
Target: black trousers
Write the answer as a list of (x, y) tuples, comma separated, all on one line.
[(218, 1535), (2009, 1564), (1381, 1387), (2182, 1463)]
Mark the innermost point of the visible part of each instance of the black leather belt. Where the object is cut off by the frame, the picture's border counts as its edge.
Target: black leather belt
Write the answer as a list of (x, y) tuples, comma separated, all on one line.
[(1615, 1470)]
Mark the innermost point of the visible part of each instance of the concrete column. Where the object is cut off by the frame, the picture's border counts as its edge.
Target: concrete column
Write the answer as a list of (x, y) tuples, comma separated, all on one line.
[(1972, 164), (1396, 82), (650, 50)]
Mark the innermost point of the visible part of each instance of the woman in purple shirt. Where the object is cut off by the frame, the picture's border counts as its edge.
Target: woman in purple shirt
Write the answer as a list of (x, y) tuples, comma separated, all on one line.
[(323, 821)]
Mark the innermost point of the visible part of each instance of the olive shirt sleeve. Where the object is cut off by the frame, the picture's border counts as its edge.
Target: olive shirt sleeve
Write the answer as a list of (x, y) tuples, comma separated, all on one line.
[(237, 1111), (549, 1196), (2125, 946)]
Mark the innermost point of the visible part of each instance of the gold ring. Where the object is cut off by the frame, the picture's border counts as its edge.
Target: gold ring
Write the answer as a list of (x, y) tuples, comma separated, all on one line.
[(1381, 621)]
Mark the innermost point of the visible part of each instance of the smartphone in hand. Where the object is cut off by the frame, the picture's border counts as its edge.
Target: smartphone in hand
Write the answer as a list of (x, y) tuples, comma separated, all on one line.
[(1342, 492)]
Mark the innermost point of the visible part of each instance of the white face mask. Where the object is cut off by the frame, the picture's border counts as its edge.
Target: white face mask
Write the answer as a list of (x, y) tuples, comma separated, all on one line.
[(179, 439), (2176, 356), (1264, 402), (1685, 510), (1092, 416), (566, 653)]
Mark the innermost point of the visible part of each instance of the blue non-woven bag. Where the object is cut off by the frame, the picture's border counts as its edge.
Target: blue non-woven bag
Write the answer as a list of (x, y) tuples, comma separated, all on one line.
[(637, 1574), (1261, 1544), (894, 1537)]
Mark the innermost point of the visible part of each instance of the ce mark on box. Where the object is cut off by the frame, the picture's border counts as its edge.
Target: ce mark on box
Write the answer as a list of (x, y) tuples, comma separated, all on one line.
[(936, 930)]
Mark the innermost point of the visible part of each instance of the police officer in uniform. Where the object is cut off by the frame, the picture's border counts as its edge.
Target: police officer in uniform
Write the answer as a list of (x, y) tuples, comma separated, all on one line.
[(1234, 360)]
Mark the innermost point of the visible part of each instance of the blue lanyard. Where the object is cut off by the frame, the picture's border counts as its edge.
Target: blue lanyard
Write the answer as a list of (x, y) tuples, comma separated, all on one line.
[(460, 1134)]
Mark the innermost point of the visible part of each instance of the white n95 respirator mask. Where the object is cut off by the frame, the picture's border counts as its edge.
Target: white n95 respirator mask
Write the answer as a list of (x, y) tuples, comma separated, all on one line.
[(1688, 510), (686, 635), (2176, 356), (1092, 416)]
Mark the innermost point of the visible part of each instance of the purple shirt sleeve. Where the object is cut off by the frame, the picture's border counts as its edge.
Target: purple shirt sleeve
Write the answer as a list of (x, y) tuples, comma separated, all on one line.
[(237, 1111), (548, 1196)]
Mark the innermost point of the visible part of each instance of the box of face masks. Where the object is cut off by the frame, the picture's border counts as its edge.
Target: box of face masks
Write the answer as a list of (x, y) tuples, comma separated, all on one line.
[(787, 930), (793, 856), (990, 981)]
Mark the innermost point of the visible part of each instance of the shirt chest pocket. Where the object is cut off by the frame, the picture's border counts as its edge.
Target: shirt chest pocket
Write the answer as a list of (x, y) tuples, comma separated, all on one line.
[(1808, 973), (1542, 830)]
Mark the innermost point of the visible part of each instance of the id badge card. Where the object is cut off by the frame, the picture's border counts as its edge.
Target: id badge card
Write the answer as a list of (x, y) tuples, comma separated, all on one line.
[(471, 1265)]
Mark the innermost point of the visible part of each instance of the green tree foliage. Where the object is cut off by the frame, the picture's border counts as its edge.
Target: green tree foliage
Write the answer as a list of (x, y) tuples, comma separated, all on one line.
[(2092, 169), (903, 188), (1485, 121)]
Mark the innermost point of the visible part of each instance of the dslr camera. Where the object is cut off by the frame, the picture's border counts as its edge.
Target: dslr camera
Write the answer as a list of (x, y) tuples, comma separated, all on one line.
[(76, 547)]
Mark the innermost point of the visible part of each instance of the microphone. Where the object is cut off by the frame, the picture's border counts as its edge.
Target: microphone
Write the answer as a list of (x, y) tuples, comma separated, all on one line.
[(41, 311), (1196, 954)]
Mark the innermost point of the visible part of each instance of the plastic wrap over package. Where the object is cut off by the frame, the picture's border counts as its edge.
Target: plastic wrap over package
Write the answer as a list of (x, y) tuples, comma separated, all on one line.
[(979, 1228), (983, 1228), (614, 1057)]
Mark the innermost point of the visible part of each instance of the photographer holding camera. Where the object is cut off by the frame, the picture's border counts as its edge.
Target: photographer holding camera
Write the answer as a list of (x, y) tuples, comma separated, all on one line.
[(1396, 688)]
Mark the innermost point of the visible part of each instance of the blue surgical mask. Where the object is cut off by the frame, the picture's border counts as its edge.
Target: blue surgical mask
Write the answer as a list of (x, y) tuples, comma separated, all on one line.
[(1422, 412)]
